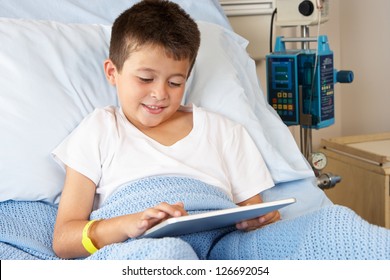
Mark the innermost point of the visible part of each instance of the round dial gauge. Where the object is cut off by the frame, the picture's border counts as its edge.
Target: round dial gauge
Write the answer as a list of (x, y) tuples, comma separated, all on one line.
[(318, 160)]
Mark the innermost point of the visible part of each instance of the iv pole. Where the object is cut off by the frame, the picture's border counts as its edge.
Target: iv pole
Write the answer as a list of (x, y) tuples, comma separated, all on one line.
[(305, 133)]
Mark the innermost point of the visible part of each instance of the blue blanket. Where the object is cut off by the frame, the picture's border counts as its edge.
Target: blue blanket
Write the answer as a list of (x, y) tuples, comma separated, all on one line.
[(332, 232)]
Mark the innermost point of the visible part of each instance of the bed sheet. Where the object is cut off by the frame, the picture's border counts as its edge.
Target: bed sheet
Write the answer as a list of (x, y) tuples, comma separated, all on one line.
[(330, 233)]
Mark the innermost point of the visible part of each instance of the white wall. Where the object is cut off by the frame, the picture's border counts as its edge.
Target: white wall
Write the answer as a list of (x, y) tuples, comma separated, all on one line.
[(365, 48)]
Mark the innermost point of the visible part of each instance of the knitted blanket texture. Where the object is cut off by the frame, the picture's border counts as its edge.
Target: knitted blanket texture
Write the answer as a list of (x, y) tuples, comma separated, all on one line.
[(332, 232)]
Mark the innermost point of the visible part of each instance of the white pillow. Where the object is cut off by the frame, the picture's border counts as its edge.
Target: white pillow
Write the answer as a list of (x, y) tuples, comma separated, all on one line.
[(51, 76), (101, 11)]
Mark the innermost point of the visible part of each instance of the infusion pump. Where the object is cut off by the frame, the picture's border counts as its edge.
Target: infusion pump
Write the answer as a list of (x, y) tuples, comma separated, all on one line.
[(300, 82)]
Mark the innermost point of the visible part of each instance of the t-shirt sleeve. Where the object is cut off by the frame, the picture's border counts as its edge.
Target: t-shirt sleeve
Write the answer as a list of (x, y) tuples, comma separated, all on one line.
[(85, 149), (247, 169)]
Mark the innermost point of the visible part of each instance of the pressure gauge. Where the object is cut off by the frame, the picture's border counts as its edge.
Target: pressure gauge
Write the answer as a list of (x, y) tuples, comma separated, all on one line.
[(318, 160)]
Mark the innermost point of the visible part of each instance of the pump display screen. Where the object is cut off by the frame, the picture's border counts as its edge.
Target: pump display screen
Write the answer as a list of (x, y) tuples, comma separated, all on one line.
[(281, 69), (282, 73)]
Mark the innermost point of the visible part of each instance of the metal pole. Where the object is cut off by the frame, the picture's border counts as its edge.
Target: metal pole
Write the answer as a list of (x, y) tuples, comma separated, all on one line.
[(306, 133)]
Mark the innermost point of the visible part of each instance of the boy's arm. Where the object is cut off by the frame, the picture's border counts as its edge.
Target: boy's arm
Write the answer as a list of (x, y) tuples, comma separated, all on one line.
[(73, 213), (260, 221), (75, 208)]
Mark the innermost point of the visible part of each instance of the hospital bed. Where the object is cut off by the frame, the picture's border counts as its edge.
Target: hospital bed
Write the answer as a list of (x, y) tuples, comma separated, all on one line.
[(51, 56)]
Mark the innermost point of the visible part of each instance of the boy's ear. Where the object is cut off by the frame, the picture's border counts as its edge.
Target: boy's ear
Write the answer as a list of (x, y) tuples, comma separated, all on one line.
[(110, 71)]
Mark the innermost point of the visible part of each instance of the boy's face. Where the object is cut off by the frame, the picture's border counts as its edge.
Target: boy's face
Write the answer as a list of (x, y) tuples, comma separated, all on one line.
[(150, 86)]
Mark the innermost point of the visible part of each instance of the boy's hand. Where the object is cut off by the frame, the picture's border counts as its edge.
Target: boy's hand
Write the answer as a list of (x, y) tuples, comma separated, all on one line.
[(259, 222), (152, 216)]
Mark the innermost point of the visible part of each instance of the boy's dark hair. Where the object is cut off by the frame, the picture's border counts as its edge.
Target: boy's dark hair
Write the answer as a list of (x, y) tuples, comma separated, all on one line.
[(157, 23)]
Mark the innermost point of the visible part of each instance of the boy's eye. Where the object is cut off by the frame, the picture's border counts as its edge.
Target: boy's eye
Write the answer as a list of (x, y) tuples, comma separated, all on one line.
[(145, 80), (172, 84)]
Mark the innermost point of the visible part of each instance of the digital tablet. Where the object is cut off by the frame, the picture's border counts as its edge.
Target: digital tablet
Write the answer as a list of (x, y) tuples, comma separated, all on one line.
[(213, 219)]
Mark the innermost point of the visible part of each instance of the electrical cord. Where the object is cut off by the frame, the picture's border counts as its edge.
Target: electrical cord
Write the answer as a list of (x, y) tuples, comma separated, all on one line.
[(315, 62), (272, 30)]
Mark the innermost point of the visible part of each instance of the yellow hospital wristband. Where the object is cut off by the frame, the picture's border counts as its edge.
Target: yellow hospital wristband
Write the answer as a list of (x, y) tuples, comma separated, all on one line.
[(86, 241)]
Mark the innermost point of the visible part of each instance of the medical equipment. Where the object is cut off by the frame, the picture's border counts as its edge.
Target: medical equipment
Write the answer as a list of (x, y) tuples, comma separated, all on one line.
[(300, 82)]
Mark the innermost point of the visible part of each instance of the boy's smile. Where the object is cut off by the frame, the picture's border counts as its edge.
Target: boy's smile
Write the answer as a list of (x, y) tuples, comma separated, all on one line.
[(150, 85)]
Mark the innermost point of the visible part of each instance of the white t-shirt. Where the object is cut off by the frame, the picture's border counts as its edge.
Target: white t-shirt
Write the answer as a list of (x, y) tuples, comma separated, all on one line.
[(110, 151)]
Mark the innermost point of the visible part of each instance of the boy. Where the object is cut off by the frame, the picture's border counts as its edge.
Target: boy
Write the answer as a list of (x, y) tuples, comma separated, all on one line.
[(152, 51)]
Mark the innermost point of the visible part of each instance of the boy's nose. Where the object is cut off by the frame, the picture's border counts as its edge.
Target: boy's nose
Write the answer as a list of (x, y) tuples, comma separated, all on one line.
[(160, 92)]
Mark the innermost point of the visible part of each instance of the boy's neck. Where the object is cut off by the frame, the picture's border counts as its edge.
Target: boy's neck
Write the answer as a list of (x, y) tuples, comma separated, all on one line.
[(172, 130)]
